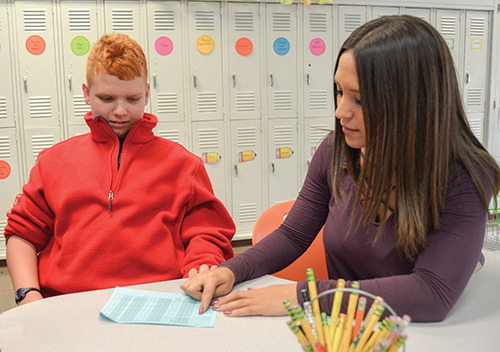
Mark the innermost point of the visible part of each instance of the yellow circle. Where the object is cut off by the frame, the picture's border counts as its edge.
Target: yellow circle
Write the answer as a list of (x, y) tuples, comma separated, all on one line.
[(205, 44)]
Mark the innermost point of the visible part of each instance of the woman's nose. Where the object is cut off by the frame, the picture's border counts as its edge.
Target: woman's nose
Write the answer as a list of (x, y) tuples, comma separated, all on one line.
[(343, 109)]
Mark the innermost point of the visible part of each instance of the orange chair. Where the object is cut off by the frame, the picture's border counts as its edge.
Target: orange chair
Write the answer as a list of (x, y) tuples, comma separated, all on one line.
[(313, 258)]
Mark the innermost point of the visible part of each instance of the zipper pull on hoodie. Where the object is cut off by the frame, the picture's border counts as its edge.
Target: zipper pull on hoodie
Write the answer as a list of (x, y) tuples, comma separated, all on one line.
[(110, 199)]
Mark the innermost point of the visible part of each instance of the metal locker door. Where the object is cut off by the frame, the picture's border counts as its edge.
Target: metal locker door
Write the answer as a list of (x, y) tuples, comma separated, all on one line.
[(379, 11), (79, 32), (37, 63), (350, 18), (281, 52), (10, 177), (166, 64), (283, 155), (448, 23), (244, 51), (125, 17), (208, 143), (424, 14), (37, 139), (318, 61), (6, 88), (205, 61), (247, 185), (315, 130), (174, 131)]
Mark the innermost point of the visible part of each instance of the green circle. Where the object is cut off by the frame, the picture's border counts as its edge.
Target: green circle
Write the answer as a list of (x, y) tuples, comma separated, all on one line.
[(80, 45)]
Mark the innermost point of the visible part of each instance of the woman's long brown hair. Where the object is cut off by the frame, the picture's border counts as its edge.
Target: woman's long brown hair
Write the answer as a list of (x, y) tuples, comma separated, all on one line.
[(415, 128)]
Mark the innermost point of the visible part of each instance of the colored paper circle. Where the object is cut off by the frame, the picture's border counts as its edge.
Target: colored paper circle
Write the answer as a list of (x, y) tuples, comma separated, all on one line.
[(244, 46), (35, 45), (4, 169), (317, 46), (80, 45), (164, 46), (281, 46), (205, 44)]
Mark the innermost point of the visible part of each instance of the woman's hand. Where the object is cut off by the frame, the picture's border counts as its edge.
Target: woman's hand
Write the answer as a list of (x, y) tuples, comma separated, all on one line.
[(261, 301), (209, 284)]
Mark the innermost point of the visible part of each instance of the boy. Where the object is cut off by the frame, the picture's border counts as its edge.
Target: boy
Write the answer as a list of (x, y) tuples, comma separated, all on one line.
[(117, 206)]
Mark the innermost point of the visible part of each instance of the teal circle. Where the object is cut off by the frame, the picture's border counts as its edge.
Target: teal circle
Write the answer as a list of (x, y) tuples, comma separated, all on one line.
[(80, 45), (281, 46)]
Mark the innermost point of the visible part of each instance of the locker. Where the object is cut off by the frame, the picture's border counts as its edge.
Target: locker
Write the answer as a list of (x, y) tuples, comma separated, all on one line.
[(74, 130), (350, 18), (448, 23), (318, 61), (247, 186), (476, 124), (125, 17), (37, 63), (209, 144), (79, 32), (283, 157), (166, 64), (175, 131), (315, 130), (379, 11), (205, 61), (281, 49), (6, 89), (424, 14), (10, 177), (36, 140), (244, 51)]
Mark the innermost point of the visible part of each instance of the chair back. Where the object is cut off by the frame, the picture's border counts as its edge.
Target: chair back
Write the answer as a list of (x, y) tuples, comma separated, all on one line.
[(313, 258)]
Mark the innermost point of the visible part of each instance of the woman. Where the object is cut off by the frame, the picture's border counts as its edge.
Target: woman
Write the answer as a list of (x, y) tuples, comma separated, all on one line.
[(402, 186)]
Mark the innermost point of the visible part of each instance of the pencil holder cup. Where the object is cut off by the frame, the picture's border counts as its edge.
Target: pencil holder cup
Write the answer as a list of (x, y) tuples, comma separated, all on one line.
[(370, 334)]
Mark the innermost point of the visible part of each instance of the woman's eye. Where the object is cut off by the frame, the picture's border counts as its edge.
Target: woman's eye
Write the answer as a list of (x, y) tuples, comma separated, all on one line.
[(357, 101)]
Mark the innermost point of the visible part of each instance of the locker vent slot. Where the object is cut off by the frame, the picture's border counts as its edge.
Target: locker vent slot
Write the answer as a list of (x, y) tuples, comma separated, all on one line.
[(247, 212), (282, 100), (173, 135), (474, 96), (318, 22), (448, 26), (122, 20), (167, 103), (282, 22), (246, 137), (164, 20), (477, 27), (34, 20), (79, 19), (207, 102), (40, 108), (3, 223), (319, 99), (283, 136), (204, 20), (41, 142), (80, 108), (243, 21), (475, 127), (3, 108), (245, 101), (4, 147), (351, 22), (208, 138), (317, 133)]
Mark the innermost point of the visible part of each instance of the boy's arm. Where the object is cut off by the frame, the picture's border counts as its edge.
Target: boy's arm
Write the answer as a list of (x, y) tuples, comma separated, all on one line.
[(22, 262)]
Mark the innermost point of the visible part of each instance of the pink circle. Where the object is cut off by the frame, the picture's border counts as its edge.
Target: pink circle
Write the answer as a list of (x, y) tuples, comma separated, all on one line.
[(164, 46), (317, 46)]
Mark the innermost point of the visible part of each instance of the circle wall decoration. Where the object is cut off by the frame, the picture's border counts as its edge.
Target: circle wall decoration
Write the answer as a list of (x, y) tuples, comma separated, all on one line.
[(244, 46), (281, 46), (164, 46), (205, 44), (35, 45), (80, 45), (317, 46)]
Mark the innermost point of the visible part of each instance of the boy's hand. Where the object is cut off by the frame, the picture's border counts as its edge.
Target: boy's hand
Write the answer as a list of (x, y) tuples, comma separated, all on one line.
[(203, 268)]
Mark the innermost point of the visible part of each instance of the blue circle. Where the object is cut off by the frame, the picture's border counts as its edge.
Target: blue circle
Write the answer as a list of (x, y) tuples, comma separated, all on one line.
[(281, 46)]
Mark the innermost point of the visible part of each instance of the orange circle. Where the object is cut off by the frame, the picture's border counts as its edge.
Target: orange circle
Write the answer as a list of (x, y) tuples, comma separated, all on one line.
[(4, 169), (244, 46), (35, 45)]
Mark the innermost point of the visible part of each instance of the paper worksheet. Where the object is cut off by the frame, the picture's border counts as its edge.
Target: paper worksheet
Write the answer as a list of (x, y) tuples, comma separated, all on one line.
[(129, 306)]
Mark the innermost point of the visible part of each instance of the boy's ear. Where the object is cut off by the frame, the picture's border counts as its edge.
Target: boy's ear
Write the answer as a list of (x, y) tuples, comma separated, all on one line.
[(147, 94), (86, 93)]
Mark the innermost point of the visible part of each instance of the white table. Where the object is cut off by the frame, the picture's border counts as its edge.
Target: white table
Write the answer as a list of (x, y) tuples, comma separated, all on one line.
[(73, 323)]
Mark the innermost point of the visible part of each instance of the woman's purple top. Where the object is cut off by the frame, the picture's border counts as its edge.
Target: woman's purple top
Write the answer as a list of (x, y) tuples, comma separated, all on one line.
[(426, 290)]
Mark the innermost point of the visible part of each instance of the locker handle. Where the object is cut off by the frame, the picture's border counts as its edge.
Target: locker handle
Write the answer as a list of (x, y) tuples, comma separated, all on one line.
[(234, 80), (272, 80), (273, 168), (154, 80), (25, 79), (235, 170), (467, 77), (70, 82), (195, 80), (308, 79)]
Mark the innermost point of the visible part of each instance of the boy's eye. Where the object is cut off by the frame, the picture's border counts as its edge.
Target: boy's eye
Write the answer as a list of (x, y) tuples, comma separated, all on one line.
[(105, 98), (133, 99)]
